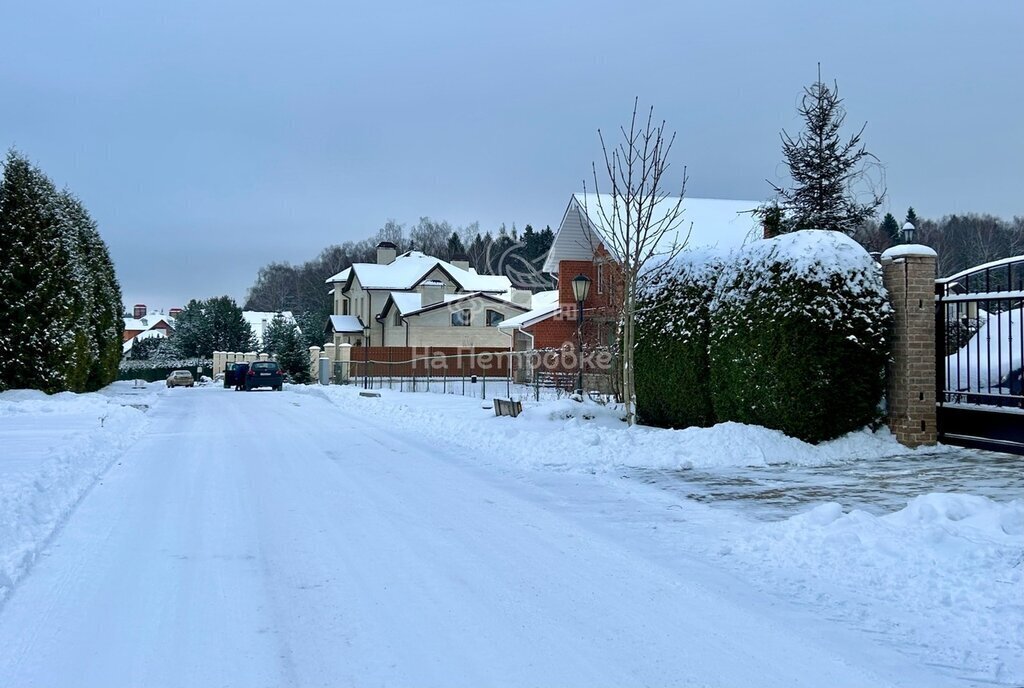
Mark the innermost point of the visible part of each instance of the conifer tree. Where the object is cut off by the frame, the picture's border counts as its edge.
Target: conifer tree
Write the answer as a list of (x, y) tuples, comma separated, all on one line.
[(830, 187), (37, 316), (912, 217), (891, 229)]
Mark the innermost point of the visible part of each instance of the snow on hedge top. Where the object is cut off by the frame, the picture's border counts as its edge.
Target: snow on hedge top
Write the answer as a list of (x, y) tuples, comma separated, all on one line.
[(809, 255)]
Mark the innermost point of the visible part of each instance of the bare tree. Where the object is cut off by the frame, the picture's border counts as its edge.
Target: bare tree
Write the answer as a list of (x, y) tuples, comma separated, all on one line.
[(640, 221)]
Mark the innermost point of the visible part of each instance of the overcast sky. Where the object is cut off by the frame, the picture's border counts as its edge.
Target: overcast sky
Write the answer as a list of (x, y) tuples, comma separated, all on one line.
[(210, 138)]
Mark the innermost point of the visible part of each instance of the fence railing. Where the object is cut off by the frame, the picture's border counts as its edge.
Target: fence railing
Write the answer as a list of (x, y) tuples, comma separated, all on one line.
[(478, 373), (981, 346)]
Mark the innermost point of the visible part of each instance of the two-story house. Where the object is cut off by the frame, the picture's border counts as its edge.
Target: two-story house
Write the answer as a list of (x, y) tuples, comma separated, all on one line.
[(417, 300), (582, 247)]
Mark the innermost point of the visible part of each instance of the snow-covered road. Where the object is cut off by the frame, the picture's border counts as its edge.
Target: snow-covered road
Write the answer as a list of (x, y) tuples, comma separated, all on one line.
[(273, 539)]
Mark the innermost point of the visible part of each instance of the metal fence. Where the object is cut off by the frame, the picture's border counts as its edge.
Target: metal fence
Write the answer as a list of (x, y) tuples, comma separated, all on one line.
[(477, 373)]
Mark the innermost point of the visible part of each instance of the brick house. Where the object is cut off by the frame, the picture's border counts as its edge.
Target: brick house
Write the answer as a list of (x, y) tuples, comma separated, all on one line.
[(580, 247)]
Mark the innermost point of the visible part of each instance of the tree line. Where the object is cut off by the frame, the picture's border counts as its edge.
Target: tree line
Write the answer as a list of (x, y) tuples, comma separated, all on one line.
[(61, 323), (301, 289), (962, 241)]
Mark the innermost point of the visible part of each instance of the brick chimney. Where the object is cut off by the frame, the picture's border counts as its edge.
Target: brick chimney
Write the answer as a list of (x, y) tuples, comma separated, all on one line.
[(431, 291), (386, 253), (139, 311), (175, 312), (461, 261)]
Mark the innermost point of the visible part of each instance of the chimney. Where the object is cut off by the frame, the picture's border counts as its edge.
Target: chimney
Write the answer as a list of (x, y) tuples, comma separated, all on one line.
[(461, 261), (139, 311), (431, 291), (522, 297), (386, 253), (175, 312)]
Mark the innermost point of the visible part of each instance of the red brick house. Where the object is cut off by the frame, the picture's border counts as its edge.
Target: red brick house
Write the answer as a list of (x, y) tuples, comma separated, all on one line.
[(580, 247)]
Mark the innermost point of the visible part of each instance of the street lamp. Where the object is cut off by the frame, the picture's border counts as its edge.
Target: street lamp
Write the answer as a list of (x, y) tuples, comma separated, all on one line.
[(908, 232), (580, 289)]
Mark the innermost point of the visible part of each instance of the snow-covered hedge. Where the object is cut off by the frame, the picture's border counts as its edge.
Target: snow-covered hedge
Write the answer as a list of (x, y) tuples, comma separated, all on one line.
[(798, 339), (671, 357)]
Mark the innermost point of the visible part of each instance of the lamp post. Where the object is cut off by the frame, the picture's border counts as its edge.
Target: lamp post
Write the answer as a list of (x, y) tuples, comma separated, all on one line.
[(907, 233), (580, 289)]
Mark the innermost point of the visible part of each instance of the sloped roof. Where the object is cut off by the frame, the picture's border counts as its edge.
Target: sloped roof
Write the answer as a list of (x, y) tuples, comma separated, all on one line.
[(545, 304), (148, 321), (411, 302), (705, 223), (408, 269), (260, 320), (346, 324)]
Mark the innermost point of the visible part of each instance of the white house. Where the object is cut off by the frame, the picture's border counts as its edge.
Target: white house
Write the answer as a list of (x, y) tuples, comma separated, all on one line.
[(414, 299)]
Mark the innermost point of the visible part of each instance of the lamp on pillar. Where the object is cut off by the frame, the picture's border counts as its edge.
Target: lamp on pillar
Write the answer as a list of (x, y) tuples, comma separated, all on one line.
[(580, 290), (907, 233)]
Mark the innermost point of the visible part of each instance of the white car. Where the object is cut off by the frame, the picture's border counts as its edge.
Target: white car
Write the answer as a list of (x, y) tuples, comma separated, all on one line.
[(180, 378)]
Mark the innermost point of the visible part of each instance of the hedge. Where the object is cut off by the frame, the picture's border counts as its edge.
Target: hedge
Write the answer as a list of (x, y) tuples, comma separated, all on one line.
[(671, 356), (798, 339)]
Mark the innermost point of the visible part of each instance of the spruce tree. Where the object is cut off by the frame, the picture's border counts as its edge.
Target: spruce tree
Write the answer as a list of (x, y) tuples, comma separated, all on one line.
[(37, 316), (912, 217), (293, 356), (276, 334), (455, 247), (827, 172), (891, 228)]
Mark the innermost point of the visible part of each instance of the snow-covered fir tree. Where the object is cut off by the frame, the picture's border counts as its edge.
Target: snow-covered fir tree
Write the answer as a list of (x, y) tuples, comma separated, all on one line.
[(37, 307), (831, 187)]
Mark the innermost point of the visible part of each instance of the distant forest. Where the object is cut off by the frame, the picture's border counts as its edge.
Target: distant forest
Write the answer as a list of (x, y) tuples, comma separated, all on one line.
[(301, 288), (961, 241)]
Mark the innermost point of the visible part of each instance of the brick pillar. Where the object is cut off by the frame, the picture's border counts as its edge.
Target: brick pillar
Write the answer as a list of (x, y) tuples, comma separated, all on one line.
[(344, 354), (909, 276), (314, 361)]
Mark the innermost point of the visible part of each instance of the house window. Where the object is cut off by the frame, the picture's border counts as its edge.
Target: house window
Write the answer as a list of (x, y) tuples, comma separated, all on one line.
[(460, 318), (600, 278), (398, 319), (344, 306), (494, 318)]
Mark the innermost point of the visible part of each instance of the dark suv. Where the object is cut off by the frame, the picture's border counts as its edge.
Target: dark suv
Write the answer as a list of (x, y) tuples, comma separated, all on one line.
[(264, 374)]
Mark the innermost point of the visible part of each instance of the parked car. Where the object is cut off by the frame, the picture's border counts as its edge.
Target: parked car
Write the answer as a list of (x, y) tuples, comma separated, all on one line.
[(180, 378), (264, 374), (234, 374)]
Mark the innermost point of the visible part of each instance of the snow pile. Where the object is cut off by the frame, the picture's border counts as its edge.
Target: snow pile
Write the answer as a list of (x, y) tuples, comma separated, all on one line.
[(947, 560), (55, 449)]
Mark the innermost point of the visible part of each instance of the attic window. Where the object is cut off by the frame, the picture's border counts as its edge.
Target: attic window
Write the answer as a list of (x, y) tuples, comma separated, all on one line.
[(398, 318), (461, 318), (494, 318)]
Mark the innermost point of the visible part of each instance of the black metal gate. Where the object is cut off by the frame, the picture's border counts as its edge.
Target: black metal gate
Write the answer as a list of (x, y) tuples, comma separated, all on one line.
[(979, 351)]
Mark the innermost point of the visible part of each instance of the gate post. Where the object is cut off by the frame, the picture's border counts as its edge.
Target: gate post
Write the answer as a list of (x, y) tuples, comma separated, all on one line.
[(909, 272)]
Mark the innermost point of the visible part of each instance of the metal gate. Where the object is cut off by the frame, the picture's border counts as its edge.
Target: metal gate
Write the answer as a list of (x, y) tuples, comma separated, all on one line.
[(979, 351)]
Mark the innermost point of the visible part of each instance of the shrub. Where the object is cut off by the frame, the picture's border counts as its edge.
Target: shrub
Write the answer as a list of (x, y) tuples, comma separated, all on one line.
[(799, 336), (671, 357)]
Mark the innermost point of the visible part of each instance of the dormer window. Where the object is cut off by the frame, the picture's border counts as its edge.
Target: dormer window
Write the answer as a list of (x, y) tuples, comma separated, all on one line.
[(494, 318)]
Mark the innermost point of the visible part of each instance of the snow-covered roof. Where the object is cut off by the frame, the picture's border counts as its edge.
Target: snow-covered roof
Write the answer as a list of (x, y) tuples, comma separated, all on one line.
[(340, 277), (705, 223), (259, 321), (149, 320), (410, 268), (545, 304), (346, 324), (406, 301)]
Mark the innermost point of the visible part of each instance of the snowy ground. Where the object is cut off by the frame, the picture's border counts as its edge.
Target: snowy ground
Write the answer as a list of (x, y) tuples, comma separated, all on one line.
[(316, 537)]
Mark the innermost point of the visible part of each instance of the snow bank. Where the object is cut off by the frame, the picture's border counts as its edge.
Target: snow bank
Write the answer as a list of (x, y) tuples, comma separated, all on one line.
[(54, 449), (952, 562), (570, 435)]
